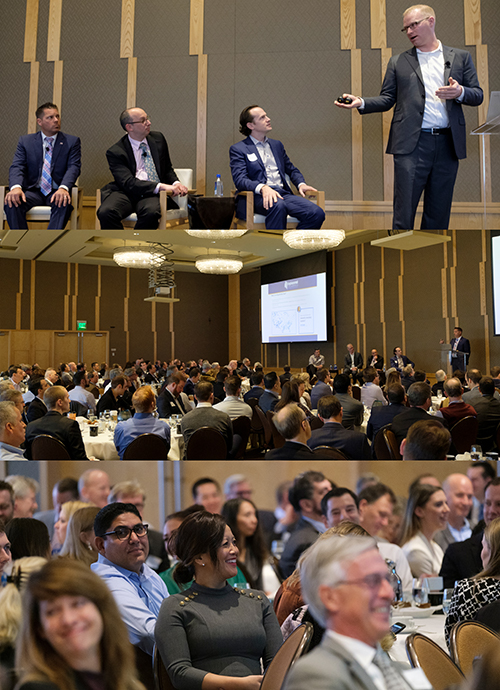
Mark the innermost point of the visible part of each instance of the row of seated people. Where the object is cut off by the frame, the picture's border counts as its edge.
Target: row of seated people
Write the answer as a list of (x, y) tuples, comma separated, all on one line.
[(209, 633), (47, 165)]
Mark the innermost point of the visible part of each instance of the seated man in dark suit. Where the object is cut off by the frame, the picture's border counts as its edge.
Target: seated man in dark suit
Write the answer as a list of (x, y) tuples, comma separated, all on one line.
[(46, 165), (375, 360), (55, 423), (141, 167), (194, 377), (37, 408), (205, 415), (399, 360), (383, 415), (286, 376), (419, 397), (257, 383), (488, 413), (407, 376), (169, 401), (260, 165), (305, 496), (353, 443), (352, 409), (321, 388), (293, 425), (271, 394), (151, 376), (113, 398), (353, 364)]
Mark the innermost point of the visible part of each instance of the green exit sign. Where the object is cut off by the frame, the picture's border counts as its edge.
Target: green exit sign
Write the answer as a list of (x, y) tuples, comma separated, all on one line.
[(81, 325)]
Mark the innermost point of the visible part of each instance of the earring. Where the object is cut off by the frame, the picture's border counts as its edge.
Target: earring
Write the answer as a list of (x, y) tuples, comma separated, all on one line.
[(203, 564)]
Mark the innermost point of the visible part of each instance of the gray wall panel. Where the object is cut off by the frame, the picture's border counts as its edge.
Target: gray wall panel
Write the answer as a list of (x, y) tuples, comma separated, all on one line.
[(91, 30), (219, 27), (373, 149), (50, 288), (161, 32)]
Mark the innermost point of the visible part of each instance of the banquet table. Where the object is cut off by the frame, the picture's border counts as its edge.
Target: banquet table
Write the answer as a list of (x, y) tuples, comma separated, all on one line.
[(102, 447), (432, 627)]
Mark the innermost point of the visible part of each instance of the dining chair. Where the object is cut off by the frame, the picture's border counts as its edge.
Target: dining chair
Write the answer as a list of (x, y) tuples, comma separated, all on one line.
[(278, 440), (292, 648), (463, 434), (356, 393), (41, 214), (385, 444), (440, 669), (263, 421), (329, 453), (146, 447), (45, 447), (468, 641), (241, 434), (144, 666), (206, 444)]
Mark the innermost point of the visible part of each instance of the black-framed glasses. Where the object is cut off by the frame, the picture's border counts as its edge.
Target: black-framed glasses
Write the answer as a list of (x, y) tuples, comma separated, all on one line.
[(123, 532), (372, 581), (413, 25), (139, 122)]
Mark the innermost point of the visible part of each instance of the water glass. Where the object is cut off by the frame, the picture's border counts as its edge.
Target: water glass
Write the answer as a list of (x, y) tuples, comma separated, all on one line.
[(447, 595)]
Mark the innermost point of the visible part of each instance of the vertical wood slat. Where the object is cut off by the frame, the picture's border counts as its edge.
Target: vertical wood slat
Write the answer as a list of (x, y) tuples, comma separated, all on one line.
[(74, 317), (30, 31), (196, 17), (66, 313), (33, 96), (385, 56), (54, 31), (483, 76), (234, 316), (57, 87), (453, 293), (357, 130), (97, 315), (132, 82), (472, 22), (201, 125), (378, 28), (444, 294), (153, 329), (171, 328), (333, 315), (32, 294), (347, 24), (127, 29)]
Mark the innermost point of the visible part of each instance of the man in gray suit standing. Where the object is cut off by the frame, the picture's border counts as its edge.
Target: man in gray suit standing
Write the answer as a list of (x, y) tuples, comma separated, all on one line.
[(349, 591), (428, 85)]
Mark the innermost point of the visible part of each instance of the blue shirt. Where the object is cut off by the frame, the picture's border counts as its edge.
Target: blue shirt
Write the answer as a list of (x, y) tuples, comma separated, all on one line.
[(138, 596), (140, 423), (8, 452)]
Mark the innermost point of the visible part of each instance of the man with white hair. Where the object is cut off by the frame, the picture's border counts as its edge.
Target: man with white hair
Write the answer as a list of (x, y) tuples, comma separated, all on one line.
[(25, 490), (12, 432), (349, 591), (459, 492)]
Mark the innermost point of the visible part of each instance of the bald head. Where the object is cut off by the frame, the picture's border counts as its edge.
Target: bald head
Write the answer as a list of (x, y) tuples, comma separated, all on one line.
[(94, 487), (458, 490)]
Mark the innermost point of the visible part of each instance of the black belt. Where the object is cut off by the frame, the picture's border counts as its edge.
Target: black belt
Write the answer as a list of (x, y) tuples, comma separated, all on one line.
[(436, 130)]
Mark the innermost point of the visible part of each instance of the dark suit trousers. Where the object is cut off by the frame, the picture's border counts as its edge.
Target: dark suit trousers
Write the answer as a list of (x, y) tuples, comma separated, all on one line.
[(309, 215), (116, 205), (16, 216), (432, 169)]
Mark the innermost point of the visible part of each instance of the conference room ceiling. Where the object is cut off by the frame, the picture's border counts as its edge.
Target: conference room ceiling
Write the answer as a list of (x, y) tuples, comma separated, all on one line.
[(255, 248)]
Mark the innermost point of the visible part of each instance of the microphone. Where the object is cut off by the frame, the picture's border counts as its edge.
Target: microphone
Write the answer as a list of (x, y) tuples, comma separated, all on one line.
[(144, 154), (447, 64)]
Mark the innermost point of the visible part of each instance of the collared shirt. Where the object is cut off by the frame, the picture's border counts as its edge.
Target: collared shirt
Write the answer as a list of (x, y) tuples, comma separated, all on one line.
[(8, 452), (317, 361), (82, 396), (138, 596), (272, 173), (318, 525), (463, 533), (234, 407), (140, 168), (363, 654), (432, 68), (17, 386), (371, 392), (140, 423)]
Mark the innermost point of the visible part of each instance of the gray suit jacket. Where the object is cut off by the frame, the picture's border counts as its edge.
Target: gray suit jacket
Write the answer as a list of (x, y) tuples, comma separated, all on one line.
[(207, 416), (444, 538), (329, 667)]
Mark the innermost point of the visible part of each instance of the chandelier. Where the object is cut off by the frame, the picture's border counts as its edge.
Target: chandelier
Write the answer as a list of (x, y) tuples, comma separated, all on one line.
[(139, 257), (218, 264), (313, 239), (217, 234)]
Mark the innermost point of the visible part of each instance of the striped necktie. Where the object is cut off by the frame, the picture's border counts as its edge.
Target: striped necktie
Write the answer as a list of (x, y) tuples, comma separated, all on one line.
[(393, 681), (46, 184), (149, 164)]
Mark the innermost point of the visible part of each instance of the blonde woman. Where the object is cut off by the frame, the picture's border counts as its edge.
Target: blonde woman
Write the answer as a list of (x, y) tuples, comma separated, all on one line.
[(66, 511), (79, 542)]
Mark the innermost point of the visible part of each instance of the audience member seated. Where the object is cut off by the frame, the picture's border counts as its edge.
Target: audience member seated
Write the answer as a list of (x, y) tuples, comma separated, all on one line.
[(79, 543), (257, 386), (143, 422), (305, 495), (55, 423), (353, 443), (12, 432), (61, 526), (407, 376), (305, 395), (321, 388), (419, 397), (194, 377), (238, 486), (151, 376), (122, 542), (212, 635), (5, 548), (25, 490), (495, 375), (426, 514), (271, 394), (290, 393), (94, 487), (472, 594), (13, 396), (339, 504), (352, 410), (392, 375), (218, 384), (292, 423), (112, 399), (353, 364), (37, 408), (399, 360), (27, 537), (456, 409), (481, 473), (286, 375), (472, 378), (488, 413), (426, 440), (206, 415), (80, 392), (382, 415), (242, 519), (458, 490), (440, 382), (169, 401), (54, 659), (232, 404), (370, 390), (207, 493)]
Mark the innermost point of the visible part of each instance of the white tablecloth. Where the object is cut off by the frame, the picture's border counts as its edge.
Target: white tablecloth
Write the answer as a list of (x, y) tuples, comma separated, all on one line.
[(102, 447), (432, 627)]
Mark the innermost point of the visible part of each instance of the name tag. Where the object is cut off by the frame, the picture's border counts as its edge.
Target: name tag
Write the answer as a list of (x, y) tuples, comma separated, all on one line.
[(252, 157), (416, 679)]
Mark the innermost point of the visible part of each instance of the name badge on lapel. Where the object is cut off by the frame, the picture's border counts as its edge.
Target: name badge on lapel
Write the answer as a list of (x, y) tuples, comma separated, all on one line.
[(252, 157)]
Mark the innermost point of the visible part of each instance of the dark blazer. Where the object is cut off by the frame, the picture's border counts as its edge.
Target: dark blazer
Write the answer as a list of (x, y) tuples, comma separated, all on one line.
[(290, 451), (463, 346), (403, 421), (267, 401), (358, 362), (26, 168), (462, 559), (207, 416), (301, 539), (406, 361), (248, 170), (318, 391), (381, 416), (254, 392), (63, 428), (379, 364), (488, 418), (37, 408), (168, 405), (403, 86), (123, 167), (352, 443), (109, 402)]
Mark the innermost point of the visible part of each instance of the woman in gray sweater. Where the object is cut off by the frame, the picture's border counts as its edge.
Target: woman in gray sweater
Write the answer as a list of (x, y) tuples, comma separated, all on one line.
[(212, 635)]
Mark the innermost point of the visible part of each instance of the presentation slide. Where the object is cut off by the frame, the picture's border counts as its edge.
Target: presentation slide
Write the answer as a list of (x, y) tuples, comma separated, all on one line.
[(294, 310), (495, 263)]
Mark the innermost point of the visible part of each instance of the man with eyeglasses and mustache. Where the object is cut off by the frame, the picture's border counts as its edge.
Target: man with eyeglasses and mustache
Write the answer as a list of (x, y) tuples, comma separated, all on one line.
[(121, 539), (428, 85), (141, 166)]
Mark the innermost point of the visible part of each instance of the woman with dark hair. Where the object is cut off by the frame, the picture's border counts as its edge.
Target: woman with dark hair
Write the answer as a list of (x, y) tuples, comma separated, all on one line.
[(28, 537), (472, 594), (240, 515), (426, 514), (72, 635), (213, 637), (291, 392)]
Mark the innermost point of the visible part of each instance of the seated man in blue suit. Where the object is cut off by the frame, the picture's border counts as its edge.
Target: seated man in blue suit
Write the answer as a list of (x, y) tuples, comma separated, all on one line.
[(45, 167), (353, 443), (260, 165)]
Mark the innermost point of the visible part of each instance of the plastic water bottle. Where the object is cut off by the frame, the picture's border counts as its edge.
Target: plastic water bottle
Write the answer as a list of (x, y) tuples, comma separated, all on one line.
[(219, 191)]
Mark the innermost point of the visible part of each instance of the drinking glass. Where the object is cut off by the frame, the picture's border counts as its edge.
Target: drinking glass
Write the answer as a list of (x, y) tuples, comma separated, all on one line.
[(447, 595)]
